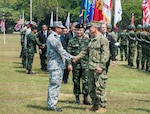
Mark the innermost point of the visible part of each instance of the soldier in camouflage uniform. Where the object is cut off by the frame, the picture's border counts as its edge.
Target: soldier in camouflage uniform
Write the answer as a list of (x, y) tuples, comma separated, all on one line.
[(132, 45), (144, 36), (80, 68), (32, 41), (22, 36), (123, 38), (139, 45), (145, 48), (27, 30), (148, 62), (98, 51), (56, 56)]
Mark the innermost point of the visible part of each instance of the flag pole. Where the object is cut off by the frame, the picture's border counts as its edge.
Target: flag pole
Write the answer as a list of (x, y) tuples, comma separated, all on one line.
[(57, 12), (23, 19), (30, 11)]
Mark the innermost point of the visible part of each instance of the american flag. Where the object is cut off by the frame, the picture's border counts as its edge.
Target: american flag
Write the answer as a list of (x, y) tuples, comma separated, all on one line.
[(146, 11), (19, 24), (2, 25)]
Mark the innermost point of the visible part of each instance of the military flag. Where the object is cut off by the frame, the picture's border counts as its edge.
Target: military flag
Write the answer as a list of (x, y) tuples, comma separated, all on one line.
[(68, 21), (51, 20), (117, 12), (19, 23), (132, 19), (85, 11), (146, 11), (106, 10), (2, 25), (98, 16)]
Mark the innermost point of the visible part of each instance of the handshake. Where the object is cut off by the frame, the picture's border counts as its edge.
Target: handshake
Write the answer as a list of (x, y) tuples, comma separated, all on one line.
[(74, 59)]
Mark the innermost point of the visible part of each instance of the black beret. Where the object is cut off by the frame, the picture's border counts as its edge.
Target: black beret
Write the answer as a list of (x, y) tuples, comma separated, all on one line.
[(79, 26)]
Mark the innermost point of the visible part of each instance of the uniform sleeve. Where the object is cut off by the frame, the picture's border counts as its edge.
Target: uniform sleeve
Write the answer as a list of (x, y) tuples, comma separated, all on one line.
[(59, 48), (83, 53), (69, 48), (105, 53)]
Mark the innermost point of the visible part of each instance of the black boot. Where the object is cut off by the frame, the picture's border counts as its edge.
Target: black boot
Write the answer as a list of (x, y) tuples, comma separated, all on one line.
[(137, 66), (146, 68), (85, 100), (77, 99), (142, 67)]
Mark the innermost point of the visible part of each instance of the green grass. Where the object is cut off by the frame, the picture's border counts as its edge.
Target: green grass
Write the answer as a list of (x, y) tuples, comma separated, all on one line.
[(128, 90)]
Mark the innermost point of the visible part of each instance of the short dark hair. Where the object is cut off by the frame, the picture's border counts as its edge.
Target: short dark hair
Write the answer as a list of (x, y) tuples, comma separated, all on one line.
[(33, 28)]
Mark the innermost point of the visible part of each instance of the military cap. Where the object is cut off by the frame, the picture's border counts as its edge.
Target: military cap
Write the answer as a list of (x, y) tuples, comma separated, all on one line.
[(74, 24), (116, 28), (131, 26), (139, 26), (109, 26), (58, 24), (79, 26), (93, 23)]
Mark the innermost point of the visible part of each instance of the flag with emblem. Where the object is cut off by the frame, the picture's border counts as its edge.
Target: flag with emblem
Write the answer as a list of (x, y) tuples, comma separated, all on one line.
[(146, 11), (2, 25), (19, 23)]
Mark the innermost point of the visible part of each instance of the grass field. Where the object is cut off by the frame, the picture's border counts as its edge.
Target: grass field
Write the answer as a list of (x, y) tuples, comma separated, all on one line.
[(128, 90)]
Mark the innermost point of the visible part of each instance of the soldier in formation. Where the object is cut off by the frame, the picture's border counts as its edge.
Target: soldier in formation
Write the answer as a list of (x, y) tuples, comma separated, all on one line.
[(123, 39), (131, 45)]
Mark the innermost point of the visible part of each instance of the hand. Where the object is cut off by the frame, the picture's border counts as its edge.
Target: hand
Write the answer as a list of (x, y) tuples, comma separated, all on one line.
[(74, 59), (70, 68), (99, 70), (113, 63), (40, 51)]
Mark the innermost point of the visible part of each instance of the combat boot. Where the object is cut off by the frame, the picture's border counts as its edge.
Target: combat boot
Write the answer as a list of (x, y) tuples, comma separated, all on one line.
[(137, 66), (85, 101), (146, 68), (77, 99), (101, 110), (94, 108), (142, 67)]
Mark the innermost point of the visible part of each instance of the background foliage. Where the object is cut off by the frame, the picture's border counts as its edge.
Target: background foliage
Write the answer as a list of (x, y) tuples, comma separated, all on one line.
[(42, 8)]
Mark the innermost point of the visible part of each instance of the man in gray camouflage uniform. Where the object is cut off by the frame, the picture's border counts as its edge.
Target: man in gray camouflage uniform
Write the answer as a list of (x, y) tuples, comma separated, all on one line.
[(56, 64)]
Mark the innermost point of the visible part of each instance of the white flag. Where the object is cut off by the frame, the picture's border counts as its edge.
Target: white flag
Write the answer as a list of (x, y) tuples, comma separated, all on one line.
[(118, 12), (51, 20), (107, 6), (68, 21)]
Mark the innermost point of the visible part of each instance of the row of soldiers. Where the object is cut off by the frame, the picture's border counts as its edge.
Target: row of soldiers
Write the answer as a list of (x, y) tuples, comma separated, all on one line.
[(132, 41)]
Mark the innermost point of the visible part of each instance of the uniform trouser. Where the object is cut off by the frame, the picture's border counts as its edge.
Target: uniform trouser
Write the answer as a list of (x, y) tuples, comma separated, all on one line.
[(139, 55), (55, 80), (24, 57), (144, 55), (83, 75), (107, 65), (97, 88), (123, 49), (131, 55), (149, 59), (43, 59), (116, 50), (65, 76), (30, 60)]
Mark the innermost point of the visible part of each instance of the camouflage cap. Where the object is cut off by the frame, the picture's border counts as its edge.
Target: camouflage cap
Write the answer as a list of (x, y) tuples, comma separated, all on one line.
[(93, 23), (58, 24), (109, 26)]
